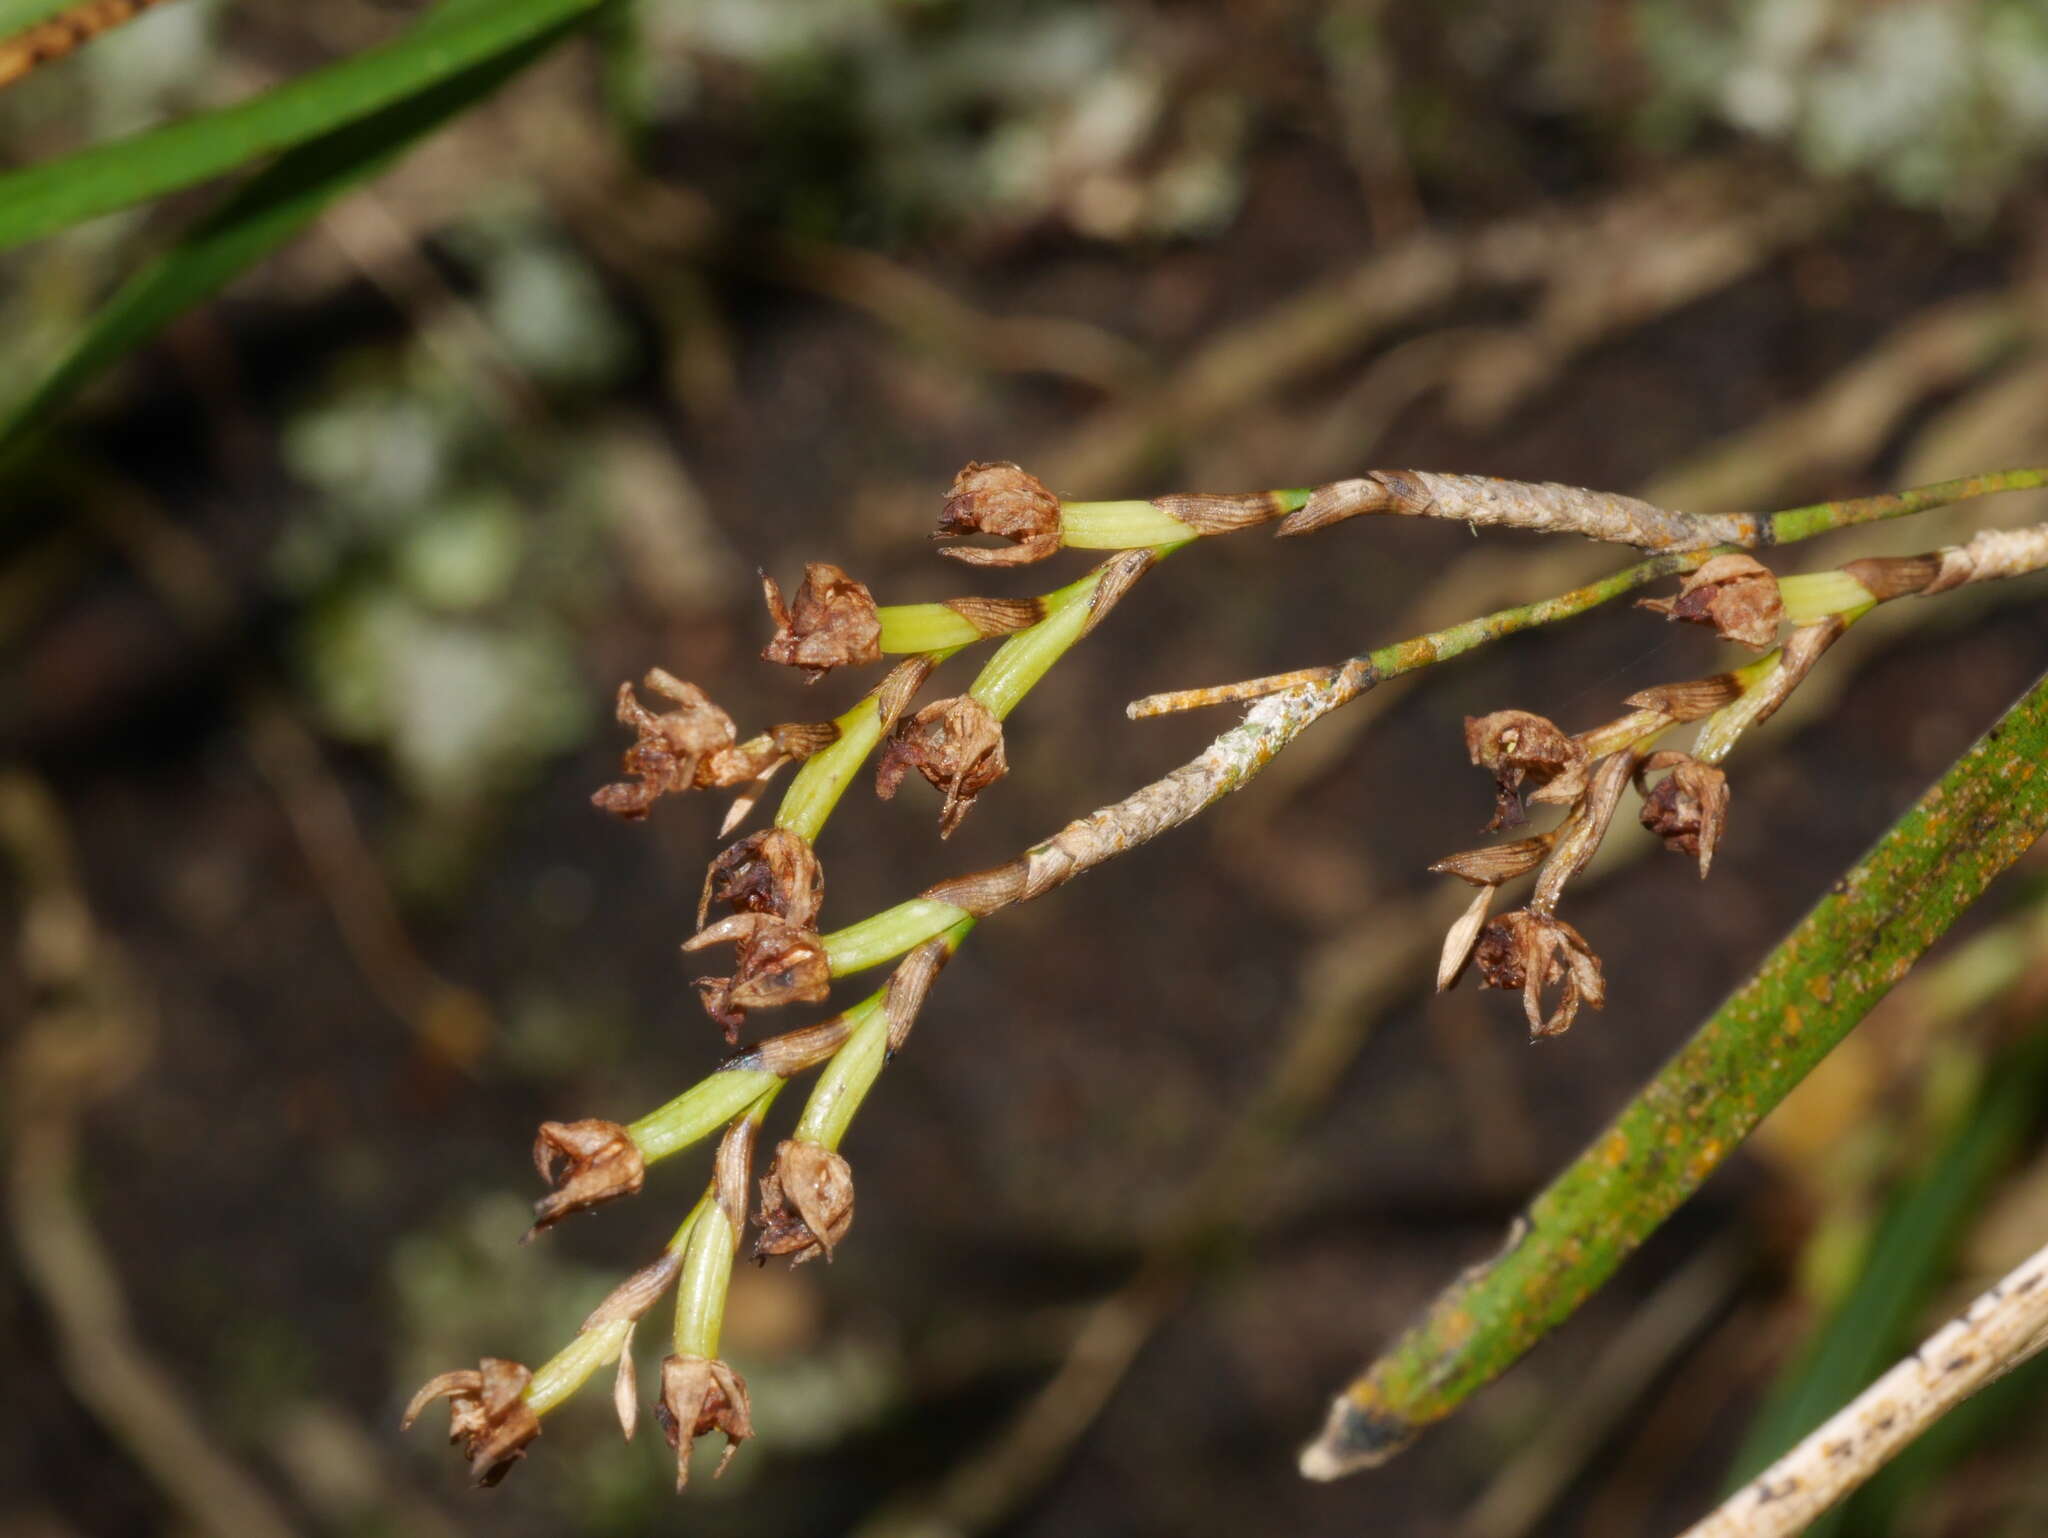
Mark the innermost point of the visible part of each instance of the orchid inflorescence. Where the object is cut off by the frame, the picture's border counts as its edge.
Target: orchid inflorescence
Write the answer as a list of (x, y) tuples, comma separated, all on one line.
[(773, 884)]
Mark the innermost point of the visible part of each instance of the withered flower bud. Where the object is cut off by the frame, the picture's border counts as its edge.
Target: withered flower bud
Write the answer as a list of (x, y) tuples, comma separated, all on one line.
[(1689, 807), (672, 746), (777, 963), (1734, 594), (700, 1395), (774, 871), (1536, 952), (1004, 501), (832, 624), (806, 1203), (956, 744), (487, 1413), (600, 1161), (1516, 745)]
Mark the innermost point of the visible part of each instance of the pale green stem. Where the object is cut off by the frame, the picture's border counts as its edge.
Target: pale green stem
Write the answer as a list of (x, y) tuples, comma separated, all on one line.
[(570, 1368), (699, 1111), (707, 1274), (1126, 525), (888, 934), (846, 1080)]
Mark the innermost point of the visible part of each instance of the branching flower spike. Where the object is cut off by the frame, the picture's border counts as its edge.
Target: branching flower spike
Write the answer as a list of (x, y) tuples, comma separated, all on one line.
[(771, 883)]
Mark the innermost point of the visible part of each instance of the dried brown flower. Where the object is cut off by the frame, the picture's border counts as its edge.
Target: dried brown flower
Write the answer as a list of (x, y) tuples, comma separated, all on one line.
[(1535, 952), (999, 499), (1688, 809), (487, 1413), (600, 1161), (700, 1395), (776, 963), (693, 747), (774, 871), (956, 744), (806, 1202), (833, 623), (672, 746), (1516, 745), (1734, 594)]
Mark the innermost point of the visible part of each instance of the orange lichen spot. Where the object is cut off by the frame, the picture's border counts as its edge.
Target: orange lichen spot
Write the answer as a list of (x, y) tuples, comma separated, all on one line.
[(1792, 1020)]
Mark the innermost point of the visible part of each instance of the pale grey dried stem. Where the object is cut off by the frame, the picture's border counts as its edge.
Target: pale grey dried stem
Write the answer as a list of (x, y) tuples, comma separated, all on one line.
[(1225, 765), (1541, 506), (2001, 1329)]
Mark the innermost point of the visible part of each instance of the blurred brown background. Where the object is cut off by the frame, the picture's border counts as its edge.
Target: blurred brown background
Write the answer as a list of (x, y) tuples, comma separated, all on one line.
[(312, 616)]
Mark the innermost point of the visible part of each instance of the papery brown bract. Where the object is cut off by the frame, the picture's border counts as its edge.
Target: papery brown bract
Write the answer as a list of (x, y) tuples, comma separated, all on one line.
[(832, 623), (487, 1413), (806, 1202), (700, 1395)]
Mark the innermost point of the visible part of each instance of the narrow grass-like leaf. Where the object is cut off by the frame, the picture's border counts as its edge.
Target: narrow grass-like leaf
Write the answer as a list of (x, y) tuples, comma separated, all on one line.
[(1808, 994), (271, 208), (45, 198)]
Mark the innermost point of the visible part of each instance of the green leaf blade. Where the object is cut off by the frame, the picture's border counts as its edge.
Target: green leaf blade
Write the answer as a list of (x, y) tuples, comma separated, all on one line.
[(42, 199)]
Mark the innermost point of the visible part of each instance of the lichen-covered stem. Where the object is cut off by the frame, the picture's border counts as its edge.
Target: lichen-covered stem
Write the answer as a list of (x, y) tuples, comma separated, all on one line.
[(1844, 956), (1799, 523)]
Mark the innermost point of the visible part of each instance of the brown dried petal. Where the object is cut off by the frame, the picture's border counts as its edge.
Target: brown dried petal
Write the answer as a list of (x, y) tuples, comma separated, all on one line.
[(1000, 500), (1536, 952), (833, 623), (600, 1162), (776, 963), (1736, 595), (672, 748), (700, 1395), (806, 1202), (487, 1413), (1688, 809), (1517, 745), (774, 871), (956, 744)]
